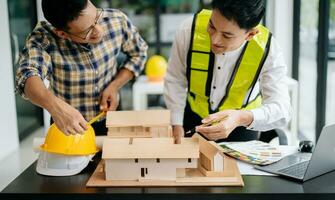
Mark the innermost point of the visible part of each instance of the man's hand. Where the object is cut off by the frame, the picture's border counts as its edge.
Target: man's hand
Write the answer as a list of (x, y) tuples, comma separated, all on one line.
[(68, 119), (109, 98), (230, 119), (178, 133)]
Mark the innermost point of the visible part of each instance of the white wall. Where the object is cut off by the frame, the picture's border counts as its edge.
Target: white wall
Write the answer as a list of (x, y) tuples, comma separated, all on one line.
[(8, 134), (280, 22)]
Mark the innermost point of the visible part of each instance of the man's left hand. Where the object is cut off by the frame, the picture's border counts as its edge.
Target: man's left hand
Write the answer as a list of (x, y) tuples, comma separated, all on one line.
[(230, 119), (109, 100)]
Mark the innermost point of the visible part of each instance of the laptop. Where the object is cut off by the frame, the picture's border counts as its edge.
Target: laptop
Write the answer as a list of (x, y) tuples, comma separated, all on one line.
[(304, 166)]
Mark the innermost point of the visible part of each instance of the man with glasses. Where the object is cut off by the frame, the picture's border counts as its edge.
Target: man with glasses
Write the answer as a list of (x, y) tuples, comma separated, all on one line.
[(76, 51), (87, 32)]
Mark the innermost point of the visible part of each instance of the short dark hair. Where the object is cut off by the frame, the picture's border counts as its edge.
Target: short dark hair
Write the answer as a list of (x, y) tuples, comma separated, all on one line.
[(60, 12), (246, 13)]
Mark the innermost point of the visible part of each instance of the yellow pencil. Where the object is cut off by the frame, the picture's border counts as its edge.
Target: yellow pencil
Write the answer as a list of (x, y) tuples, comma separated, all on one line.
[(210, 123)]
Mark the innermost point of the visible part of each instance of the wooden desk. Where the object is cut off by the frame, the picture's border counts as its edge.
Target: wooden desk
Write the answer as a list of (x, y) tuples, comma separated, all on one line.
[(30, 185)]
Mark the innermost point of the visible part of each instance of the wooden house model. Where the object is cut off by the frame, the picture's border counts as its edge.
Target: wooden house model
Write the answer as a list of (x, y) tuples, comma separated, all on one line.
[(138, 159), (139, 124), (140, 147)]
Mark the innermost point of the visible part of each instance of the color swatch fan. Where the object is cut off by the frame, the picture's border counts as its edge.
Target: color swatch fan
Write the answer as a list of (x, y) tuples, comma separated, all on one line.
[(254, 152)]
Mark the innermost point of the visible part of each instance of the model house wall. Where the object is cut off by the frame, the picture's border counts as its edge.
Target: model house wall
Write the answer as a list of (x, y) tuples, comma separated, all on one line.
[(148, 158), (146, 169)]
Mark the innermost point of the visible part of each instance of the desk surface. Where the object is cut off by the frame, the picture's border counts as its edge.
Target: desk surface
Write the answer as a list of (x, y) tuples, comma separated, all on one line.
[(264, 187)]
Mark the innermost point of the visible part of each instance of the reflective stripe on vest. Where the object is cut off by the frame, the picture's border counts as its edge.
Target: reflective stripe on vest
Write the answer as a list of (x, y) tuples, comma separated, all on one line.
[(200, 63)]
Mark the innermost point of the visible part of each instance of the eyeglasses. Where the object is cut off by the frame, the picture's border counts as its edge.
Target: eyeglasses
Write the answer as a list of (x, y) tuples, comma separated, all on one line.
[(88, 31)]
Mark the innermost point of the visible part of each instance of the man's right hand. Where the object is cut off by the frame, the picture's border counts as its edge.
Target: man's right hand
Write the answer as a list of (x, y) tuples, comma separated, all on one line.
[(178, 133), (68, 119)]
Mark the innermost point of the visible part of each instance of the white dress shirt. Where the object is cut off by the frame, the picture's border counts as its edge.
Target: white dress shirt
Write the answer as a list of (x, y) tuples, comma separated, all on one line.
[(275, 110)]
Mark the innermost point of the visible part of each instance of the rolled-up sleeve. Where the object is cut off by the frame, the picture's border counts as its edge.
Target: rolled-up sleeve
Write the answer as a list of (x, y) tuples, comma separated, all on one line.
[(34, 61), (134, 47)]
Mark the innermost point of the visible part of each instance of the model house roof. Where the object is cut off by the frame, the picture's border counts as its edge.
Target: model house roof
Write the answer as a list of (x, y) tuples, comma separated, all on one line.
[(149, 148), (149, 118), (207, 148)]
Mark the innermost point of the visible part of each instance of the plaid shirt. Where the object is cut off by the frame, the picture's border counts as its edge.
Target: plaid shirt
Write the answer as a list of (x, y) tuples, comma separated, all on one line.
[(79, 73)]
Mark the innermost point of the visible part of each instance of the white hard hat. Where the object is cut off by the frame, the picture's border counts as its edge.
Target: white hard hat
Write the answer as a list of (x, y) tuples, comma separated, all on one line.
[(61, 165)]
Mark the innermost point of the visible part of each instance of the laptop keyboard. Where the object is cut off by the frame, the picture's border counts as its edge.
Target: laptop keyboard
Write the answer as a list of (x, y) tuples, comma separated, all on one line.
[(297, 170)]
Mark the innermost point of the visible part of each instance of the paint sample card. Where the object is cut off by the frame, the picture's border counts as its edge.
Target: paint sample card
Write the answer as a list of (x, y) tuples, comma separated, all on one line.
[(254, 152)]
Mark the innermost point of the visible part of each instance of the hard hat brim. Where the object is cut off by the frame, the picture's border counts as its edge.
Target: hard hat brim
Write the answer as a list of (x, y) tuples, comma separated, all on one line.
[(49, 164)]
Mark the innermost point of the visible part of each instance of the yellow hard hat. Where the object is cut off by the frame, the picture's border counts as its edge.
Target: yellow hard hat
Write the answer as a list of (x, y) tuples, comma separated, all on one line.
[(80, 144), (156, 68)]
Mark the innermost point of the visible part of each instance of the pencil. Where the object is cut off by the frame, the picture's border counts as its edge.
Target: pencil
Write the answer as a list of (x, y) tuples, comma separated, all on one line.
[(191, 132)]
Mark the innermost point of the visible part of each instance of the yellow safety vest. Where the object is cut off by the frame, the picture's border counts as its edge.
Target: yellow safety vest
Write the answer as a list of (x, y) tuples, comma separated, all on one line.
[(200, 64)]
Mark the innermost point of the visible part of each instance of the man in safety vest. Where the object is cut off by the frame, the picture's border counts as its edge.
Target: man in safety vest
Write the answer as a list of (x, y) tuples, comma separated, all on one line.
[(227, 70)]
